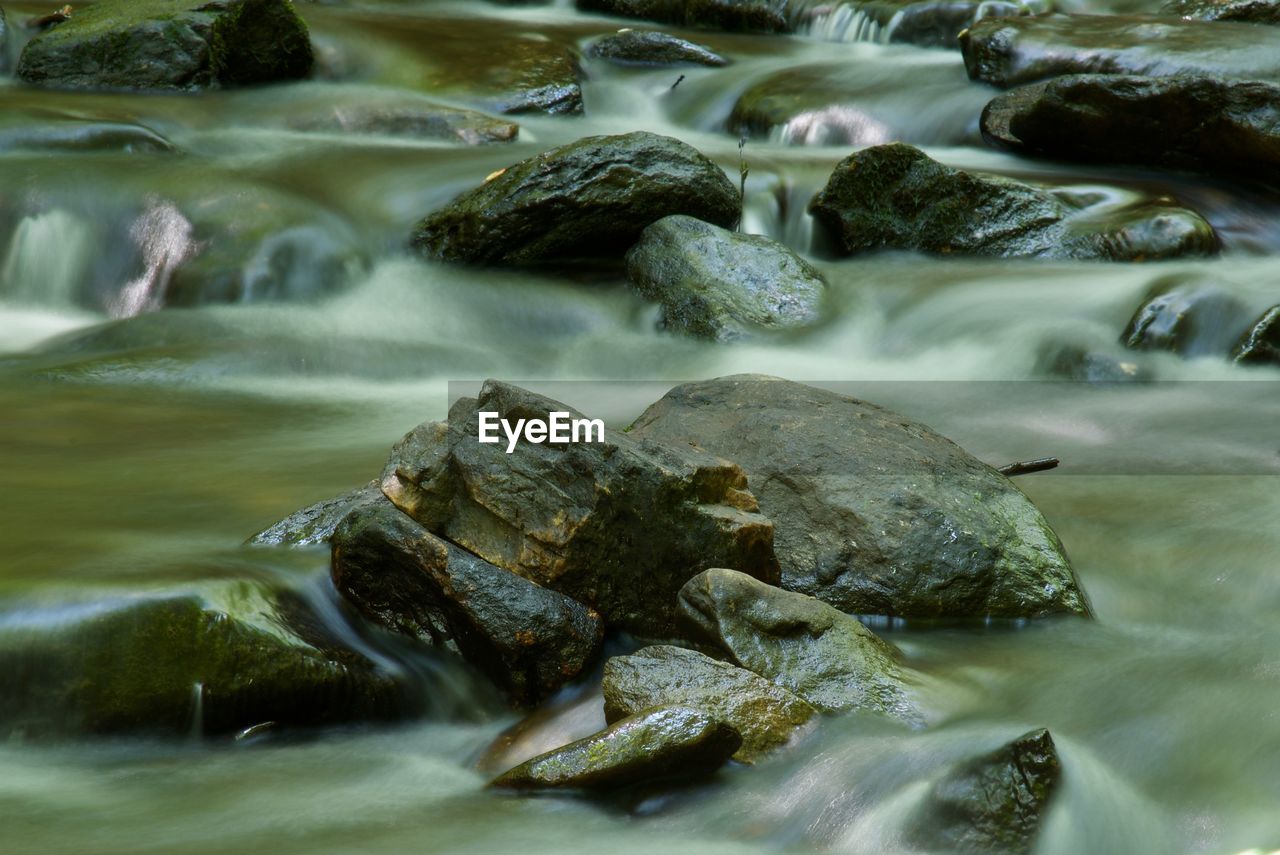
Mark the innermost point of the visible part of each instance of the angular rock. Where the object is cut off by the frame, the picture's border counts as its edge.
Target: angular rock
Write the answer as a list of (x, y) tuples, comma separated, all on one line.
[(928, 23), (993, 803), (314, 524), (811, 649), (875, 513), (717, 284), (1246, 11), (896, 197), (1260, 345), (414, 121), (738, 16), (765, 715), (1011, 51), (528, 640), (658, 744), (637, 47), (212, 662), (617, 524), (1187, 316), (589, 199), (1197, 123), (170, 45)]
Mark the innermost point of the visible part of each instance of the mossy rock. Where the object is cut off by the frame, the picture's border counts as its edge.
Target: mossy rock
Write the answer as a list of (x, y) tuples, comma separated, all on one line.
[(170, 45)]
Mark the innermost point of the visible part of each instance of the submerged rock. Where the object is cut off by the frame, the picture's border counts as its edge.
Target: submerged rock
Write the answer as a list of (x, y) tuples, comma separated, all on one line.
[(413, 121), (739, 16), (1011, 51), (1260, 345), (993, 803), (875, 513), (717, 284), (1187, 316), (659, 744), (314, 524), (1246, 11), (528, 640), (615, 523), (208, 663), (637, 47), (170, 44), (1197, 123), (1082, 365), (765, 715), (70, 133), (897, 197), (589, 199)]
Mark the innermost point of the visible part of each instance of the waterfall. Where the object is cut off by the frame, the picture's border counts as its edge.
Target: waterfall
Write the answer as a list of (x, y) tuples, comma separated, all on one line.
[(48, 259)]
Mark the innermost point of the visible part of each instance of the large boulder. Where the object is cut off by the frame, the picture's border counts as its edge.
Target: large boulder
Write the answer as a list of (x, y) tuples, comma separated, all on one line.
[(210, 662), (589, 199), (170, 44), (875, 513), (1198, 123), (1189, 316), (1012, 51), (528, 640), (717, 284), (896, 197), (1246, 11), (744, 16), (616, 523), (1260, 345), (994, 803), (638, 47), (765, 715), (811, 649), (659, 744)]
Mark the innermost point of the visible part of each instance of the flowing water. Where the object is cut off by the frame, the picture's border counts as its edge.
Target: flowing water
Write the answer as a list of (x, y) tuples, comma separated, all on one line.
[(140, 445)]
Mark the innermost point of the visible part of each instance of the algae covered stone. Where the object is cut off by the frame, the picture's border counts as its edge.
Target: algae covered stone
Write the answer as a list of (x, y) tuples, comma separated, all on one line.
[(659, 744), (170, 44)]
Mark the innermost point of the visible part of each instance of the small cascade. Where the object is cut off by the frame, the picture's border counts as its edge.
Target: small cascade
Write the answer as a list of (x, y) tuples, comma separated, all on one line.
[(196, 732), (48, 259), (163, 236), (840, 22)]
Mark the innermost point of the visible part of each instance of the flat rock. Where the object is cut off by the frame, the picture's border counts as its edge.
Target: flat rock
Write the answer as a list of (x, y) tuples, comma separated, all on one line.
[(874, 513), (738, 16), (619, 525), (589, 199), (1260, 345), (314, 524), (170, 45), (638, 47), (528, 640), (811, 649), (897, 197), (765, 715), (654, 745), (716, 284), (1011, 51), (1246, 11), (1203, 124)]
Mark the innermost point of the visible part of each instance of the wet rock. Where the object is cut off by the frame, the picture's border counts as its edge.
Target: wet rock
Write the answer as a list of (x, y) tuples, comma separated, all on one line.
[(588, 199), (72, 134), (528, 640), (617, 524), (896, 197), (314, 524), (553, 724), (653, 745), (1012, 51), (417, 121), (1187, 316), (875, 513), (741, 16), (637, 47), (993, 803), (213, 662), (811, 649), (4, 42), (766, 716), (1246, 11), (929, 23), (170, 44), (717, 284), (1260, 345), (1082, 365), (1197, 123)]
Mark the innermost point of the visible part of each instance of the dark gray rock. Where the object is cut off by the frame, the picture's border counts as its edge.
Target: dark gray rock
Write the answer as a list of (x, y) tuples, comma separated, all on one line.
[(765, 715), (1204, 124), (314, 524), (170, 44), (1012, 51), (4, 43), (1246, 11), (896, 197), (739, 16), (528, 640), (619, 525), (666, 743), (1081, 364), (717, 284), (875, 513), (993, 803), (589, 199), (1187, 316), (638, 47), (1260, 345)]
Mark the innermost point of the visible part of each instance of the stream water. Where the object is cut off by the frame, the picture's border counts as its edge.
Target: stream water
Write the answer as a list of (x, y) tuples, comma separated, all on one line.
[(139, 446)]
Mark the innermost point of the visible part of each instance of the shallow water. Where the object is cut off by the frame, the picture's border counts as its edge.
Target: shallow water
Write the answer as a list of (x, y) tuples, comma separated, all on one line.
[(139, 448)]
